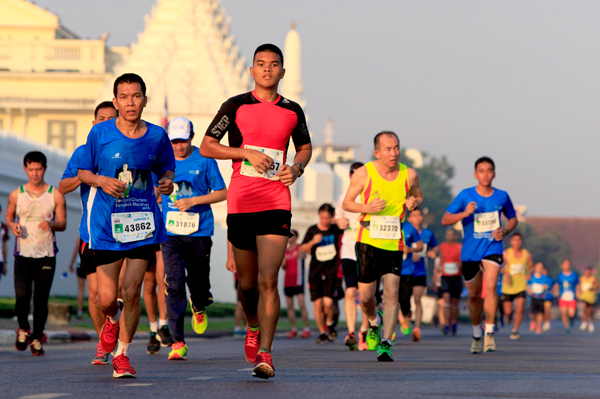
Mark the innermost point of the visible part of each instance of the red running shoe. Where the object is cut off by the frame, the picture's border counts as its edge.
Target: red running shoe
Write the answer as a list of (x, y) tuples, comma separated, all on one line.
[(292, 334), (122, 367), (101, 356), (305, 334), (252, 344), (109, 336), (263, 367)]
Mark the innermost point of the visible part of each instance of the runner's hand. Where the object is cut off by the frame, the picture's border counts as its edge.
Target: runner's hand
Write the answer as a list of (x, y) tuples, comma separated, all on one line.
[(230, 264), (374, 206), (471, 208), (113, 187), (498, 234), (15, 228), (45, 226), (416, 256), (411, 203), (343, 223), (184, 204), (165, 186), (317, 239), (261, 162), (431, 254), (71, 268), (287, 175)]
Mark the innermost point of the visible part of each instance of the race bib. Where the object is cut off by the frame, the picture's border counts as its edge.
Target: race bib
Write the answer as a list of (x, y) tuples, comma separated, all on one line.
[(451, 268), (325, 253), (182, 223), (277, 156), (486, 222), (423, 253), (130, 227), (516, 269), (537, 288), (385, 227), (585, 287), (568, 296), (354, 225)]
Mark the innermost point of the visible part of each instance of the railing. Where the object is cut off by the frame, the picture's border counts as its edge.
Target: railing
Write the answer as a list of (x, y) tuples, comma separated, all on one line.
[(85, 56)]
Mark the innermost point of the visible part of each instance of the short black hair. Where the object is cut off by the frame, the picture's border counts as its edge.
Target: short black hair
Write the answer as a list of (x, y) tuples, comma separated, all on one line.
[(327, 208), (356, 165), (485, 160), (34, 156), (269, 48), (129, 78), (517, 234), (104, 104), (384, 133)]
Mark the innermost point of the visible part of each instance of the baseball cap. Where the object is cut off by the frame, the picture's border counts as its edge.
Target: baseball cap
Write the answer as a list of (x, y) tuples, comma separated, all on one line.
[(180, 128)]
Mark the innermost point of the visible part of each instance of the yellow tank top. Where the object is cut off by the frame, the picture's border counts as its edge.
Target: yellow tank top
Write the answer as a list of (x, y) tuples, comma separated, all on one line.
[(588, 294), (394, 193), (517, 269)]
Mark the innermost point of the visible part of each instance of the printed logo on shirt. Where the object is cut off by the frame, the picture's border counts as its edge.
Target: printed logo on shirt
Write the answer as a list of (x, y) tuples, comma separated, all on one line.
[(134, 178), (152, 157), (285, 101), (194, 172), (220, 128), (117, 155)]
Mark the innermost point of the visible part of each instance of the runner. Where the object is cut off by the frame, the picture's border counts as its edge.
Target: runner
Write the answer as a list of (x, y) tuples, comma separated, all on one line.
[(387, 189), (190, 226), (480, 208), (80, 276), (87, 268), (548, 299), (537, 288), (587, 291), (515, 273), (34, 212), (437, 287), (321, 241), (348, 222), (135, 224), (452, 284), (413, 245), (259, 201), (418, 264), (565, 287), (3, 253), (293, 285)]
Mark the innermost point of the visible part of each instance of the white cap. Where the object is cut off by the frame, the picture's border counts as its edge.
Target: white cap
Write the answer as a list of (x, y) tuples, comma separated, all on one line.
[(180, 129)]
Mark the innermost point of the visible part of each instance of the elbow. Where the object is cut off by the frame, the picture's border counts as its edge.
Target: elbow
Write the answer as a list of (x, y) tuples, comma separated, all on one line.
[(204, 150)]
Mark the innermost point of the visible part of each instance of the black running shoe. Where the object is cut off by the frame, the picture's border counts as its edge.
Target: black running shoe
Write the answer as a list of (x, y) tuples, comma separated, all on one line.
[(22, 340), (153, 345), (322, 339), (36, 348), (331, 333), (164, 336)]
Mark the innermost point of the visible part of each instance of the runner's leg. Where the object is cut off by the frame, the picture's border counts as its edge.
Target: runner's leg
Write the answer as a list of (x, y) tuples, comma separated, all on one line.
[(368, 303), (246, 263), (42, 283), (290, 311), (319, 314), (174, 272), (491, 273), (93, 307), (80, 288), (350, 308), (519, 313), (391, 284), (161, 286), (150, 300), (132, 286), (418, 292), (447, 309), (475, 301), (303, 311), (23, 279)]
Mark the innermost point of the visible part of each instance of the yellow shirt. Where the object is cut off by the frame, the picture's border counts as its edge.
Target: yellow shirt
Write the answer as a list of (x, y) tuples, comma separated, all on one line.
[(394, 193), (588, 293), (517, 270)]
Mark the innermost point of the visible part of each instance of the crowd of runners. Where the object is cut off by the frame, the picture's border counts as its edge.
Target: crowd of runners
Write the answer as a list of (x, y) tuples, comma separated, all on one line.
[(146, 195)]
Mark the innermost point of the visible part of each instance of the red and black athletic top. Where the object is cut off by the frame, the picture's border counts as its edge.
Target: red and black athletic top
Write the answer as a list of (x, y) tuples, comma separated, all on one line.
[(250, 120)]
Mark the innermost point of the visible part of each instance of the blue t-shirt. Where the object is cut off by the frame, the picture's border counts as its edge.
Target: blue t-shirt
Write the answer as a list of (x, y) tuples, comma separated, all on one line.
[(110, 153), (477, 246), (411, 236), (84, 190), (538, 286), (550, 284), (429, 241), (195, 176), (567, 285)]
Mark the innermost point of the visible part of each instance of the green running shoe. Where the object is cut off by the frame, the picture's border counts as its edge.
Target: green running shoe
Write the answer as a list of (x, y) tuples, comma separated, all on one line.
[(199, 320), (178, 351), (384, 353), (373, 336)]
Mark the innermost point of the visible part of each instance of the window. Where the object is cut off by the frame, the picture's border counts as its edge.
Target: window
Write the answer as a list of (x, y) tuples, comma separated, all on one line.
[(62, 134)]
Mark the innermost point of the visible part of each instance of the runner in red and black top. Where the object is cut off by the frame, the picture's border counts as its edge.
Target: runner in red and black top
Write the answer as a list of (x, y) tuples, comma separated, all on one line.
[(452, 284), (259, 125)]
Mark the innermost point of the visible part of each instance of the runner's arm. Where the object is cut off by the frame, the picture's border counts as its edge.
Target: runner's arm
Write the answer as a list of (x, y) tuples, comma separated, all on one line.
[(60, 215), (418, 248), (68, 184), (11, 210), (415, 199), (110, 186), (184, 204), (75, 253), (230, 264), (289, 174)]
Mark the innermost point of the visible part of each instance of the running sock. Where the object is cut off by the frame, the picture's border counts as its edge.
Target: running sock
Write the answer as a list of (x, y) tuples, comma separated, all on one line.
[(122, 348), (376, 322), (489, 328), (236, 329), (476, 331), (115, 318), (253, 328), (294, 329), (153, 327), (264, 350), (386, 340), (306, 328), (162, 323)]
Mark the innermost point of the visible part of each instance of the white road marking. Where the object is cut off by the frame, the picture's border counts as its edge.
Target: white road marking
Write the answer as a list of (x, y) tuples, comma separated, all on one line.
[(45, 396), (249, 369), (138, 384), (201, 378)]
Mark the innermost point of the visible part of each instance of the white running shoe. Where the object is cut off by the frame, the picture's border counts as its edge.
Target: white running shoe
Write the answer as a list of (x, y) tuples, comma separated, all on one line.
[(546, 326), (583, 326), (591, 327)]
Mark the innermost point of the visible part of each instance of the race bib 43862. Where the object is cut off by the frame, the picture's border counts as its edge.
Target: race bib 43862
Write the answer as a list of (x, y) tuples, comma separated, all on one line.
[(130, 227)]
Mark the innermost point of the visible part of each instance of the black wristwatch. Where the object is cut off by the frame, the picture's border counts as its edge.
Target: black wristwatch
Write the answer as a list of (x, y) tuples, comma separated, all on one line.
[(300, 169)]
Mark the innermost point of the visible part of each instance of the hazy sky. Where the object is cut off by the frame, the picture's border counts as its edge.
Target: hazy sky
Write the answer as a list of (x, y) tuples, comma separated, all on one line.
[(516, 80)]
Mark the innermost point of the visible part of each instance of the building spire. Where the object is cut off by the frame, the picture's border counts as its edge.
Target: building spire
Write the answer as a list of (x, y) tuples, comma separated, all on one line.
[(291, 86)]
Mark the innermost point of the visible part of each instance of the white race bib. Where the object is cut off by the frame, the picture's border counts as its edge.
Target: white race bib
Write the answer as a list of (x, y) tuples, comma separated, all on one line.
[(585, 287), (182, 223), (451, 268), (537, 288), (516, 269), (277, 156), (423, 252), (486, 222), (130, 227), (354, 225), (385, 227), (325, 253), (567, 296)]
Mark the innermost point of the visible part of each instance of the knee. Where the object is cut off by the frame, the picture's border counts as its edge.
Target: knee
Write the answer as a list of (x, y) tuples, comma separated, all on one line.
[(106, 300), (268, 284), (131, 294), (475, 296)]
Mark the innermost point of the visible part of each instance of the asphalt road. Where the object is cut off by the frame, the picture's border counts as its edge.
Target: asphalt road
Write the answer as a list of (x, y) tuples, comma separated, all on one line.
[(553, 365)]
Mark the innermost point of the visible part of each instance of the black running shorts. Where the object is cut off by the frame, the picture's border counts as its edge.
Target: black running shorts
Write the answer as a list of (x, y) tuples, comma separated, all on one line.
[(471, 268), (375, 262), (243, 228)]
